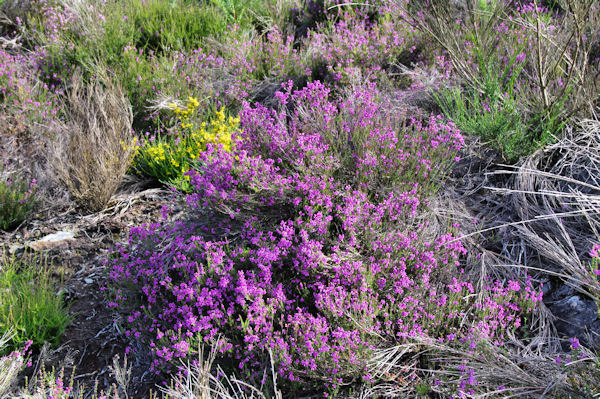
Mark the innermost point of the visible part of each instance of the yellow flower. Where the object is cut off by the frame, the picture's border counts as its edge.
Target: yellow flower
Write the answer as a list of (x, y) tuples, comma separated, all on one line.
[(221, 114), (193, 102)]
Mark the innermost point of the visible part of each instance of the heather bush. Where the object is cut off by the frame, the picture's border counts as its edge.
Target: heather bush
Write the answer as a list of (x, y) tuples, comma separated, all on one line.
[(17, 200), (351, 41), (247, 63), (25, 103), (16, 13), (583, 370), (170, 158), (254, 56), (213, 79), (224, 73), (314, 250), (30, 307)]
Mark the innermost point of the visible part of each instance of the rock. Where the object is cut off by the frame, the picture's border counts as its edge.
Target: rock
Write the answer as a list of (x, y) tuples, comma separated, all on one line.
[(575, 316), (55, 240), (563, 292)]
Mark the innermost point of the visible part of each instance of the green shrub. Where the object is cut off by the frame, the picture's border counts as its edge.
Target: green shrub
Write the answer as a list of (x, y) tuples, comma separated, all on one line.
[(498, 118), (492, 106), (159, 26), (29, 303), (135, 39), (17, 201), (526, 70)]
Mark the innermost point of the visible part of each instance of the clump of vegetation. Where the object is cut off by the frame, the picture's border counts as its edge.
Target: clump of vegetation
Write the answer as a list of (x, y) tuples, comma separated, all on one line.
[(329, 264), (524, 70), (170, 158), (17, 200), (30, 307), (320, 242), (96, 147), (138, 40)]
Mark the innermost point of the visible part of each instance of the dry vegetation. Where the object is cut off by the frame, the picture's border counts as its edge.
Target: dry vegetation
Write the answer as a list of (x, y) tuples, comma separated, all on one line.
[(301, 116), (96, 145)]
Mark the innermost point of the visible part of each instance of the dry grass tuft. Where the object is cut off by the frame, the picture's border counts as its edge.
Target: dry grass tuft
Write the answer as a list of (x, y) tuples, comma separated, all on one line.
[(541, 220), (97, 143), (495, 371), (559, 190), (204, 381)]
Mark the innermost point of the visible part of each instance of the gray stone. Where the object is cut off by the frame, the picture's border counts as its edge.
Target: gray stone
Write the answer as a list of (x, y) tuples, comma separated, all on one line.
[(575, 316), (54, 240)]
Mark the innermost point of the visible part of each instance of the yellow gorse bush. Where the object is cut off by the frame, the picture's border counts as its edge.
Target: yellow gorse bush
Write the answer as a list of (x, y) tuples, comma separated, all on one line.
[(169, 158)]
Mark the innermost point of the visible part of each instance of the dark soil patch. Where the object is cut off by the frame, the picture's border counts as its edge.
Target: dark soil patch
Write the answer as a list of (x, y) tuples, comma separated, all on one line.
[(95, 337)]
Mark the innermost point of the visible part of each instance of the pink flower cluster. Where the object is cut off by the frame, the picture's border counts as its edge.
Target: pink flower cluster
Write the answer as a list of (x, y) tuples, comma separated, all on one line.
[(20, 99), (313, 249), (348, 42)]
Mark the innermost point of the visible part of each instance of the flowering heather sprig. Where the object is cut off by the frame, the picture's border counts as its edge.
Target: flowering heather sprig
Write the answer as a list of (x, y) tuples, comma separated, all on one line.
[(55, 386), (325, 255), (352, 41), (595, 251), (12, 364), (23, 100), (11, 75), (593, 273)]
